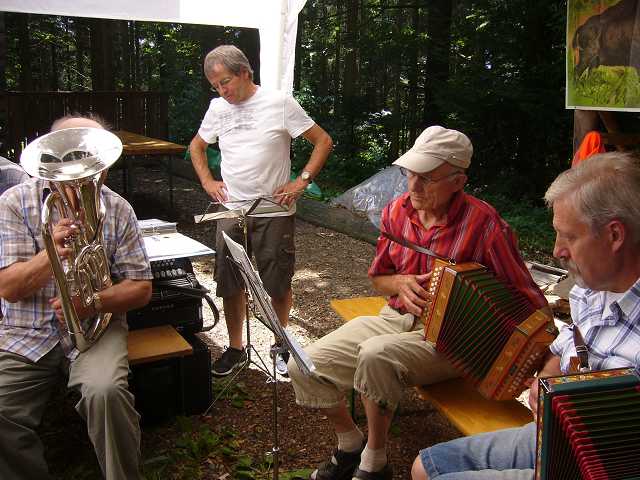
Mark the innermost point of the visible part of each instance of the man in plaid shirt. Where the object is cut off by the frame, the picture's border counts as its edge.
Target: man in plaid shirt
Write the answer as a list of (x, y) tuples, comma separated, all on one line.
[(10, 174), (35, 352)]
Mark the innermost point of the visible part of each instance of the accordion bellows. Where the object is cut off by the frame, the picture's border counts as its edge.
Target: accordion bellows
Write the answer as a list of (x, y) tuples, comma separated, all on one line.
[(489, 331), (589, 426)]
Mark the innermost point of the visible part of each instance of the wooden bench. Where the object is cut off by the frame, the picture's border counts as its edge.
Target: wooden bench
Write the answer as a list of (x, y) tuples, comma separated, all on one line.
[(467, 410), (156, 343)]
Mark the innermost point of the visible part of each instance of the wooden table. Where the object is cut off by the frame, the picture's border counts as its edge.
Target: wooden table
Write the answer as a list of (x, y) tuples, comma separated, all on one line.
[(134, 144)]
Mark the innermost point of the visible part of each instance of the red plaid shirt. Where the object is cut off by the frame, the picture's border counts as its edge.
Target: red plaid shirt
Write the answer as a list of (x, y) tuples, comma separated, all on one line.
[(472, 232)]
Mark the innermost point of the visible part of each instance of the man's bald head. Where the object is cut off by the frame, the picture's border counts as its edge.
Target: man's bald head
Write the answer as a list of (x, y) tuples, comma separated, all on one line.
[(78, 121)]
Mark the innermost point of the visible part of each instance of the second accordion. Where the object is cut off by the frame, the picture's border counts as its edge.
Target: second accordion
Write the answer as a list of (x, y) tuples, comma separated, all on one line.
[(489, 331), (589, 426)]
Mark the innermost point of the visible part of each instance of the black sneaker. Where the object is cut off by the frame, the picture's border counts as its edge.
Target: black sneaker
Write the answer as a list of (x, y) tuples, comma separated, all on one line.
[(384, 474), (340, 466), (231, 359)]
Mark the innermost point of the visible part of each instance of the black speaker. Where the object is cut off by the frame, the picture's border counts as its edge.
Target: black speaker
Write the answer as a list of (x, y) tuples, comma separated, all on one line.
[(174, 386), (198, 387), (156, 389)]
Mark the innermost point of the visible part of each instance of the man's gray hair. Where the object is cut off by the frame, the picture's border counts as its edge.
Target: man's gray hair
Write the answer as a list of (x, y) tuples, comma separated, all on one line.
[(230, 57), (603, 188)]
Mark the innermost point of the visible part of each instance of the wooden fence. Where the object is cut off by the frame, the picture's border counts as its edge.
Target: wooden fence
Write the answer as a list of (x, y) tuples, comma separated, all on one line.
[(27, 115)]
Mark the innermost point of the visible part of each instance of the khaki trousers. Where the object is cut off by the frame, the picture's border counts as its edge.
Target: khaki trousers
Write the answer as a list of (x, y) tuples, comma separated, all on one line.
[(100, 375), (378, 356)]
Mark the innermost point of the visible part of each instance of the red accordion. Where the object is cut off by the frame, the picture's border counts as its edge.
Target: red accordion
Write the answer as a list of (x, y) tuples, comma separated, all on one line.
[(589, 426), (486, 329)]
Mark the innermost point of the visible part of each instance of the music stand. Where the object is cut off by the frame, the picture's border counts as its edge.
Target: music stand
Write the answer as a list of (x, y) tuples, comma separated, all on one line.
[(262, 302), (244, 209), (268, 316), (241, 213)]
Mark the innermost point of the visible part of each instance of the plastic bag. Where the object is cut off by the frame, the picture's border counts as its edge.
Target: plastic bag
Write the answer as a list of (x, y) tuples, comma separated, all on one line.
[(371, 196)]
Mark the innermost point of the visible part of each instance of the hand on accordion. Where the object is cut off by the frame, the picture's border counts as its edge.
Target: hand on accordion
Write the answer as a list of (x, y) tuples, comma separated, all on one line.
[(411, 292)]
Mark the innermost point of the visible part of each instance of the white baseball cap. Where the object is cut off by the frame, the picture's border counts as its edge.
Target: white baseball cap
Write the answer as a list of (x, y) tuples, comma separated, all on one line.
[(435, 146)]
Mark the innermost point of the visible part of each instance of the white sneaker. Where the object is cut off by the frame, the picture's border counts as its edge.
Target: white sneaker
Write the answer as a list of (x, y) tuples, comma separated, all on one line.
[(281, 363)]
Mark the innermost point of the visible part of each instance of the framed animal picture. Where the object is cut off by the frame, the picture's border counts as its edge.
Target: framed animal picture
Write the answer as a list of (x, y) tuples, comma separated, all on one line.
[(603, 54)]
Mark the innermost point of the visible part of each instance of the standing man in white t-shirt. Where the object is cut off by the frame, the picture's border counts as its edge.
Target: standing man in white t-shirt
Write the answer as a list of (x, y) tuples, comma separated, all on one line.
[(254, 128)]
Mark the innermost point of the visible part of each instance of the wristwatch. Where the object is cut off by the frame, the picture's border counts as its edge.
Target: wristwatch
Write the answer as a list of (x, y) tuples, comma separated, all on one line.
[(97, 302), (306, 176)]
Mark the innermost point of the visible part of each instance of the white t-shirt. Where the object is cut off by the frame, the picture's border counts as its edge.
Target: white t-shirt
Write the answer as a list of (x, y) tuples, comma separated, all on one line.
[(255, 138)]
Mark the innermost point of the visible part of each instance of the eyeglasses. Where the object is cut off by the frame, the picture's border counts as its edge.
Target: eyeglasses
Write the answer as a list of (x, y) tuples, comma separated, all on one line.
[(426, 179), (221, 84)]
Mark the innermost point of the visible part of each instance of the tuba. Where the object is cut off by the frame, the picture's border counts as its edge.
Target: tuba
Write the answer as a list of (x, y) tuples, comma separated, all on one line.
[(74, 161)]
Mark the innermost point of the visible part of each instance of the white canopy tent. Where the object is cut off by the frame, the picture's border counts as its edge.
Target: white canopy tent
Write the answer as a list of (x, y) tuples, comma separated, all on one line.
[(276, 20)]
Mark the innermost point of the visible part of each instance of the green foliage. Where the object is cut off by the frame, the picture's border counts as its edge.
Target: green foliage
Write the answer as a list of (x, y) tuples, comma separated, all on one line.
[(506, 94), (199, 445), (196, 445), (230, 390), (369, 72), (530, 221), (504, 88)]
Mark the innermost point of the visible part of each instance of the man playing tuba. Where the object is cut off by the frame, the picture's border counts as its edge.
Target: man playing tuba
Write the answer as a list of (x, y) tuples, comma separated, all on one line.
[(36, 352)]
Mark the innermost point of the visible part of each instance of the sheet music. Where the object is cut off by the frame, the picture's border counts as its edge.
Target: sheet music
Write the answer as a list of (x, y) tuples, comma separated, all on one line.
[(174, 245), (262, 302), (265, 206), (152, 226), (162, 241)]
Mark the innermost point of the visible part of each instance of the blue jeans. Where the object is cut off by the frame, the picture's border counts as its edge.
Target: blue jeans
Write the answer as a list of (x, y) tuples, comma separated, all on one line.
[(503, 455)]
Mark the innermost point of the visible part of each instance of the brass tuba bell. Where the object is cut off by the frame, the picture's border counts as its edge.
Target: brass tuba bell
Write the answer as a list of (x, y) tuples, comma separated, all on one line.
[(74, 161)]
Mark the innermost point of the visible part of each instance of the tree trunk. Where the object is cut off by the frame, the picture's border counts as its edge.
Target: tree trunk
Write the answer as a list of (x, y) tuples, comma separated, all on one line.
[(53, 55), (102, 77), (165, 57), (81, 47), (412, 99), (337, 89), (394, 149), (350, 86), (3, 53), (135, 41), (249, 43), (3, 83), (350, 82), (438, 51), (127, 53), (24, 52)]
